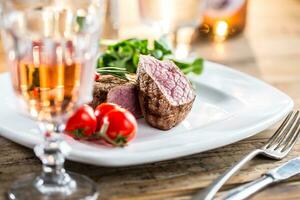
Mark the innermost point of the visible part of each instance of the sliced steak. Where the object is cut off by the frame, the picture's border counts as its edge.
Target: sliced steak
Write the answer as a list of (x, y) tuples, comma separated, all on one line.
[(165, 94), (119, 91)]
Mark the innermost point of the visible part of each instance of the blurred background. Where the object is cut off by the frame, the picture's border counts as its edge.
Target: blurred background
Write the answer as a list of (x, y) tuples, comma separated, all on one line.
[(258, 37)]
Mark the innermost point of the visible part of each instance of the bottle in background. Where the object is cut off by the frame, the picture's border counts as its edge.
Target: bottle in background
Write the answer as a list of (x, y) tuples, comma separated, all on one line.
[(223, 18)]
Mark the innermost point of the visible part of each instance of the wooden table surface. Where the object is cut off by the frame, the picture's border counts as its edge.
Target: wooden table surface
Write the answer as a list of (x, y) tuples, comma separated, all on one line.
[(269, 49)]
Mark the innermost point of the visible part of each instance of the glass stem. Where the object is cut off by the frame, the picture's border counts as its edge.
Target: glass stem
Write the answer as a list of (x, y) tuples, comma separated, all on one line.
[(52, 154)]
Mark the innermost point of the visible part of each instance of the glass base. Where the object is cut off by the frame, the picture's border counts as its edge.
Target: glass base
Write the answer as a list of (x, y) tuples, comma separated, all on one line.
[(33, 187)]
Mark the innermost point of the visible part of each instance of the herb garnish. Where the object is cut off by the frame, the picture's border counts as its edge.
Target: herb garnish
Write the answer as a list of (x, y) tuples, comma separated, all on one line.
[(123, 57), (116, 71)]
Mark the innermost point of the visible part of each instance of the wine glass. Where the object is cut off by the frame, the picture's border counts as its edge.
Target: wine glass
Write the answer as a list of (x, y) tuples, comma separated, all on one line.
[(173, 17), (51, 48)]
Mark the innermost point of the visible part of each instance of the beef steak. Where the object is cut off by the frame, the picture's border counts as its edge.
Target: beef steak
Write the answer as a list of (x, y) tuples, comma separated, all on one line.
[(165, 94), (119, 91)]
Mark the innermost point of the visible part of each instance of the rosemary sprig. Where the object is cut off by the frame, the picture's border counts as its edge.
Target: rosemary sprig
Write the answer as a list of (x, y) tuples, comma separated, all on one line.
[(115, 71)]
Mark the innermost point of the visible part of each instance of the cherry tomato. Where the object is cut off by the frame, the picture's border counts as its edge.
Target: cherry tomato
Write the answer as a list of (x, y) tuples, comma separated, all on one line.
[(119, 127), (101, 110), (97, 76), (82, 123)]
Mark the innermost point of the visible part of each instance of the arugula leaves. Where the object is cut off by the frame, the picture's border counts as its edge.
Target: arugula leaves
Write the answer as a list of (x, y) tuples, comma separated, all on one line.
[(195, 67), (124, 56)]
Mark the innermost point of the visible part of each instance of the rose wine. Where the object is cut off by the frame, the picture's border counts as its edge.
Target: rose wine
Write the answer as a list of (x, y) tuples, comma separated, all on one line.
[(51, 49), (47, 82)]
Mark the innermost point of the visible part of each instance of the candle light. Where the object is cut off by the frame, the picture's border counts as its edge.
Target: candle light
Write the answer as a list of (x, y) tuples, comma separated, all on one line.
[(223, 19), (220, 31)]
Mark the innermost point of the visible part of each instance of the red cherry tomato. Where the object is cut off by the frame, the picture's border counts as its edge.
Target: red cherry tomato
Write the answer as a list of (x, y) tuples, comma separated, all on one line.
[(97, 76), (101, 110), (119, 127), (82, 123)]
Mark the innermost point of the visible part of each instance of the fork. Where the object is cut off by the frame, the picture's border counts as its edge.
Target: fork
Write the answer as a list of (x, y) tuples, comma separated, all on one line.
[(277, 147)]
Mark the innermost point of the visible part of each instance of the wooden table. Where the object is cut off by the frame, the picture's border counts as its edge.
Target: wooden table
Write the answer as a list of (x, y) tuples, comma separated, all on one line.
[(269, 50)]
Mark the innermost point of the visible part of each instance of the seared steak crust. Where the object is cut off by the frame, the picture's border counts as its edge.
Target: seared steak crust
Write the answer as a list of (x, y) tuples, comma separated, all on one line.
[(165, 94), (119, 91), (103, 86)]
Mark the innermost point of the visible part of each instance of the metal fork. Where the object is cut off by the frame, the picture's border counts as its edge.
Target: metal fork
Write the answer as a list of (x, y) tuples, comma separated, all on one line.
[(277, 147)]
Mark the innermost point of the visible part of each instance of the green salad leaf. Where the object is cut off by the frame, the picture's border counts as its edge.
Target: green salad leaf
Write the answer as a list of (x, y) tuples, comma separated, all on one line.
[(123, 57), (195, 67)]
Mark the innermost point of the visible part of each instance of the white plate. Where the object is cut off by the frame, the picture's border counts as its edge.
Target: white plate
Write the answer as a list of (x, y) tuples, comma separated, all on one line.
[(230, 106)]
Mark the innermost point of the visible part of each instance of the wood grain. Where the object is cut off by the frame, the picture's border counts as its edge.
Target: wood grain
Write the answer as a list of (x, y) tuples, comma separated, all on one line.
[(270, 50)]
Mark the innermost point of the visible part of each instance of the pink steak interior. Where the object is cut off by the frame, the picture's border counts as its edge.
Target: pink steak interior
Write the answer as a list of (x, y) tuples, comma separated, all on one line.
[(169, 79)]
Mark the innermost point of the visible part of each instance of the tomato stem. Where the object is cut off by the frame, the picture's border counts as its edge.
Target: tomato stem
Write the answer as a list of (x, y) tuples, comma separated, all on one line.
[(102, 134)]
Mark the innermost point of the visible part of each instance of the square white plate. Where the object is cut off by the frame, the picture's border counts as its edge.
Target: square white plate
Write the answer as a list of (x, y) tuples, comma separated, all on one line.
[(229, 106)]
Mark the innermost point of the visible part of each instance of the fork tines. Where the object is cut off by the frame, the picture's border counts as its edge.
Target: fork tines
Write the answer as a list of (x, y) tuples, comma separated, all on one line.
[(286, 135)]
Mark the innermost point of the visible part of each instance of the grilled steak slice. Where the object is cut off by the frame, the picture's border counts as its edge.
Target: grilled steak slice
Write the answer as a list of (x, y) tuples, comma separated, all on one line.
[(165, 94), (119, 91)]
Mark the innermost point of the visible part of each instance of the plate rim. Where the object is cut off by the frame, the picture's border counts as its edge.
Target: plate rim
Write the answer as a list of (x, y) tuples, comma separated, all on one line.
[(102, 161)]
